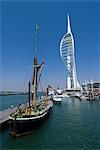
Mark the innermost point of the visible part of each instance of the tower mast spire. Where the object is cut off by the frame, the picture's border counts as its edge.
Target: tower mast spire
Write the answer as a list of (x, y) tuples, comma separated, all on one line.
[(69, 27)]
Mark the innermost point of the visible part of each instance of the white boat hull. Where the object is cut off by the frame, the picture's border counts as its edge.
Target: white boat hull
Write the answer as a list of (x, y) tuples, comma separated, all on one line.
[(57, 99)]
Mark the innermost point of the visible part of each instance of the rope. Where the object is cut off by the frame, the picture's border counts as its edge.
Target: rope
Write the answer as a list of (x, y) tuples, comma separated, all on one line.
[(41, 86)]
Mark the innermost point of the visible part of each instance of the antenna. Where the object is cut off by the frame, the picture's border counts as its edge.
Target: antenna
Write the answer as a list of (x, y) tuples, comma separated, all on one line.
[(36, 39)]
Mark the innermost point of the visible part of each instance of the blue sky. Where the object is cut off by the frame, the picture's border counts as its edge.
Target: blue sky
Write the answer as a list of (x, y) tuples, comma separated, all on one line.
[(18, 19)]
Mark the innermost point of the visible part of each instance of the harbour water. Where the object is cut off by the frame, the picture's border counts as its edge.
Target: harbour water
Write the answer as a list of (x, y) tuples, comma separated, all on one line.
[(14, 100), (72, 125)]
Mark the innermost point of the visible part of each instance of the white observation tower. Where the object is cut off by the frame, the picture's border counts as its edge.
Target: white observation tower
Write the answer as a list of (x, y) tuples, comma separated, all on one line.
[(67, 55)]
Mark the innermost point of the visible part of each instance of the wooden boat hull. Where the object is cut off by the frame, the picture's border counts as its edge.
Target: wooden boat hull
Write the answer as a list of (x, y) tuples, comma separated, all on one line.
[(25, 126)]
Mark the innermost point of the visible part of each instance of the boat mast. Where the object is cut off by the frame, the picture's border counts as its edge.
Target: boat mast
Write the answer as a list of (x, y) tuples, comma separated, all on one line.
[(35, 67), (29, 93)]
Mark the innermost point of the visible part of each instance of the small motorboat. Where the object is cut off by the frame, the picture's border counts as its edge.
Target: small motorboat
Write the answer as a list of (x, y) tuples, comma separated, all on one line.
[(57, 98)]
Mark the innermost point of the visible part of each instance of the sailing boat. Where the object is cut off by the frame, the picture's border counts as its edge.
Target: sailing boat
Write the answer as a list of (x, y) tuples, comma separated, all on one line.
[(24, 120)]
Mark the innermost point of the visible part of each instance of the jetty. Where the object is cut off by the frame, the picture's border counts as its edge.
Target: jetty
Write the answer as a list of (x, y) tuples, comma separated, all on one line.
[(4, 114)]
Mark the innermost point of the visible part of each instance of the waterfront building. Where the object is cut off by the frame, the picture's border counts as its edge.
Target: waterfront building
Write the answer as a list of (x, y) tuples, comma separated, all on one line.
[(67, 55)]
